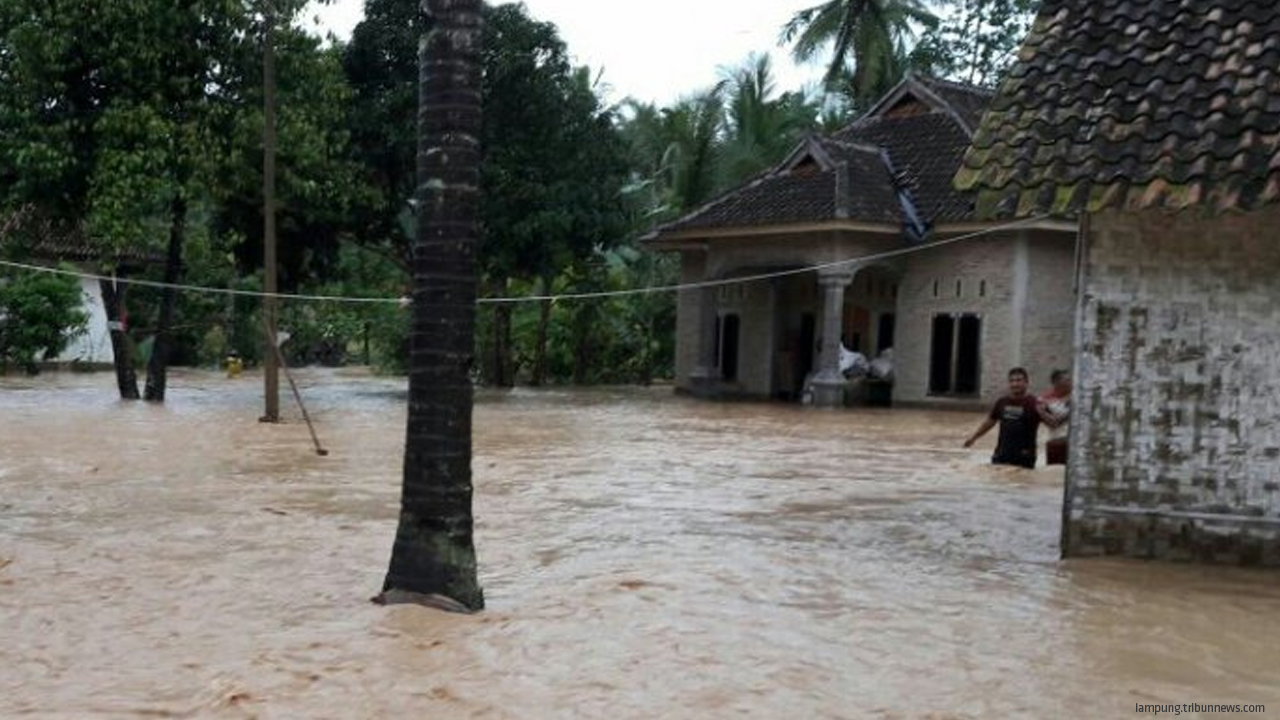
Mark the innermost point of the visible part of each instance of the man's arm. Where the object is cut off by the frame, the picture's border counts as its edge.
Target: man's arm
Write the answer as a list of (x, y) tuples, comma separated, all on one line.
[(983, 429), (1047, 417)]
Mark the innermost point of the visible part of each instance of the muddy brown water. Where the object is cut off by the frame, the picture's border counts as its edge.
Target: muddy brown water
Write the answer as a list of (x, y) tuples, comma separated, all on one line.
[(643, 556)]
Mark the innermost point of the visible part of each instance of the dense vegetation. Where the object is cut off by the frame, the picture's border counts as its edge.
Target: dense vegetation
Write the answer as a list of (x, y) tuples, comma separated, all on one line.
[(135, 125)]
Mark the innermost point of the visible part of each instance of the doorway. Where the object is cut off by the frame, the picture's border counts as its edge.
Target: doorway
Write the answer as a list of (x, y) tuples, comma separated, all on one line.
[(730, 326)]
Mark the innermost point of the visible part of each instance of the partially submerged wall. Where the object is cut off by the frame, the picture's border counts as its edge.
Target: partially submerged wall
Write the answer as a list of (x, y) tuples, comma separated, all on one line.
[(1175, 439), (1019, 283)]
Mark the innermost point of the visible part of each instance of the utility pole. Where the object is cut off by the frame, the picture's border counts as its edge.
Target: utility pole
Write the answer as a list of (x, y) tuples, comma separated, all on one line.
[(270, 363)]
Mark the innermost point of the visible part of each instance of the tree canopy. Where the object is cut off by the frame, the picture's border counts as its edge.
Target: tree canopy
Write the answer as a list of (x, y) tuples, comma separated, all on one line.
[(136, 125)]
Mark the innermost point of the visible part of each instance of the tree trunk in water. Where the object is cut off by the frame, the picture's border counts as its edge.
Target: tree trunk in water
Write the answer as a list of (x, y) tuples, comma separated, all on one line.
[(582, 355), (503, 371), (540, 348), (433, 560), (122, 358), (158, 366)]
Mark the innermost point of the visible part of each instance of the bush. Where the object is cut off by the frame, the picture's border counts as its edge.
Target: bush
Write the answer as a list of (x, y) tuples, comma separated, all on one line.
[(39, 314)]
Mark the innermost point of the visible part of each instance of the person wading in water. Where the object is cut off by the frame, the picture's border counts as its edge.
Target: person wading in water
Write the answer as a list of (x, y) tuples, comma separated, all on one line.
[(1055, 411), (1018, 415)]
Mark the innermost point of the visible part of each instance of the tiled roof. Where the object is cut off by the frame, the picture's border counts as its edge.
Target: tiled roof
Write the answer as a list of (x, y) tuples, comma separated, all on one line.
[(1135, 104), (871, 195), (927, 151), (969, 101), (26, 236), (885, 169), (773, 199)]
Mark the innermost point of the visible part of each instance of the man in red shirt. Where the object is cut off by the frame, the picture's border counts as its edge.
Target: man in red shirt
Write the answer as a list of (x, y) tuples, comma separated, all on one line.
[(1018, 415)]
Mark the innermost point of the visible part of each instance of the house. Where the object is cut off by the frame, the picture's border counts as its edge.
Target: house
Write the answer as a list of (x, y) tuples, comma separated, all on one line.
[(43, 242), (958, 316), (1159, 122)]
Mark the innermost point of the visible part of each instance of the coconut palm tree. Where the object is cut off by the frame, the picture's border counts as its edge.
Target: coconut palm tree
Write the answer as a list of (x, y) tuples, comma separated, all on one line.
[(433, 561), (760, 129), (676, 150), (869, 40)]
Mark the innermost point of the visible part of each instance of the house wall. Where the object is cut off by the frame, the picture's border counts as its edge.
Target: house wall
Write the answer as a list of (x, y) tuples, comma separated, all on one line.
[(874, 291), (969, 264), (1175, 439), (93, 346), (756, 303), (693, 266), (1027, 311), (1027, 306), (794, 297), (1048, 322), (753, 303)]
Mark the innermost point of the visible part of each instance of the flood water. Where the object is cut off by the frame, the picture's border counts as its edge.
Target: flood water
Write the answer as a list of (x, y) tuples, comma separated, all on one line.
[(643, 556)]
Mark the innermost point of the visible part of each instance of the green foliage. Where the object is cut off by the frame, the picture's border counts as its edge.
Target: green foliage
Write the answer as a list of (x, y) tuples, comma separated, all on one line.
[(39, 314), (977, 42), (320, 189), (214, 347), (683, 155), (380, 65), (760, 129), (104, 108), (869, 41), (118, 117), (874, 43), (676, 153), (554, 164)]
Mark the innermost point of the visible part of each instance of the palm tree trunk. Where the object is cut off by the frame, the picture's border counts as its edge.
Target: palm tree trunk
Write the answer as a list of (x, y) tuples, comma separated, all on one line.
[(121, 354), (433, 561), (158, 365)]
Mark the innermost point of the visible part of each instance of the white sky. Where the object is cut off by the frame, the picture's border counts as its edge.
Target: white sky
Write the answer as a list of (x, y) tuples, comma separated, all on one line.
[(654, 50)]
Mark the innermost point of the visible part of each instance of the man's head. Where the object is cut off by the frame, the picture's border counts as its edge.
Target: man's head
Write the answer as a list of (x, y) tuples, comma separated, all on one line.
[(1018, 379), (1061, 382)]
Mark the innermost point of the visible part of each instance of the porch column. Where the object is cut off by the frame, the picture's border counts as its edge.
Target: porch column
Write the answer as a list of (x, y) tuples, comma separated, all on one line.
[(828, 383), (706, 375)]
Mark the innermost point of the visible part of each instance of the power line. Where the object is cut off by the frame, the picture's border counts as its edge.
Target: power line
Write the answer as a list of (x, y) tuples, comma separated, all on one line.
[(598, 295)]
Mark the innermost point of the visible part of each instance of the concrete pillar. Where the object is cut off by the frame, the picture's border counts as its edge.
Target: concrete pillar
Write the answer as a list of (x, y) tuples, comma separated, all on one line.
[(828, 383), (706, 376)]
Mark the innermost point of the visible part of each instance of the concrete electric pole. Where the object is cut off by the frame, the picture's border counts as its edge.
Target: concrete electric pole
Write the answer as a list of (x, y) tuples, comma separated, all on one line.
[(270, 364)]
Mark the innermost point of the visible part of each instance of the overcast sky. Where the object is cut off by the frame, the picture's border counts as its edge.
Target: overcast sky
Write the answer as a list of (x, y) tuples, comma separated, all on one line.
[(654, 50)]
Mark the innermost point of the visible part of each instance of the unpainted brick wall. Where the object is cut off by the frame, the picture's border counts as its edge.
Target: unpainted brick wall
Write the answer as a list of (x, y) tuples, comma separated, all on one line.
[(1176, 430)]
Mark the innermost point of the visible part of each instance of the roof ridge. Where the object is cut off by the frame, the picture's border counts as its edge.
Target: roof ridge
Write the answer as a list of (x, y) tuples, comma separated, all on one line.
[(957, 85), (927, 89), (863, 145)]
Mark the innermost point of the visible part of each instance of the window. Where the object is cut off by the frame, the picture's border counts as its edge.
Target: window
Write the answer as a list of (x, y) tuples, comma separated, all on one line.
[(959, 288), (728, 350), (884, 337), (942, 357), (935, 288), (955, 366), (982, 289)]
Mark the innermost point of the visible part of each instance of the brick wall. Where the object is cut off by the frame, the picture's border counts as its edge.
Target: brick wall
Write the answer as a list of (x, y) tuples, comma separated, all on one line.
[(1049, 308), (693, 268), (1176, 434), (968, 264), (753, 304)]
